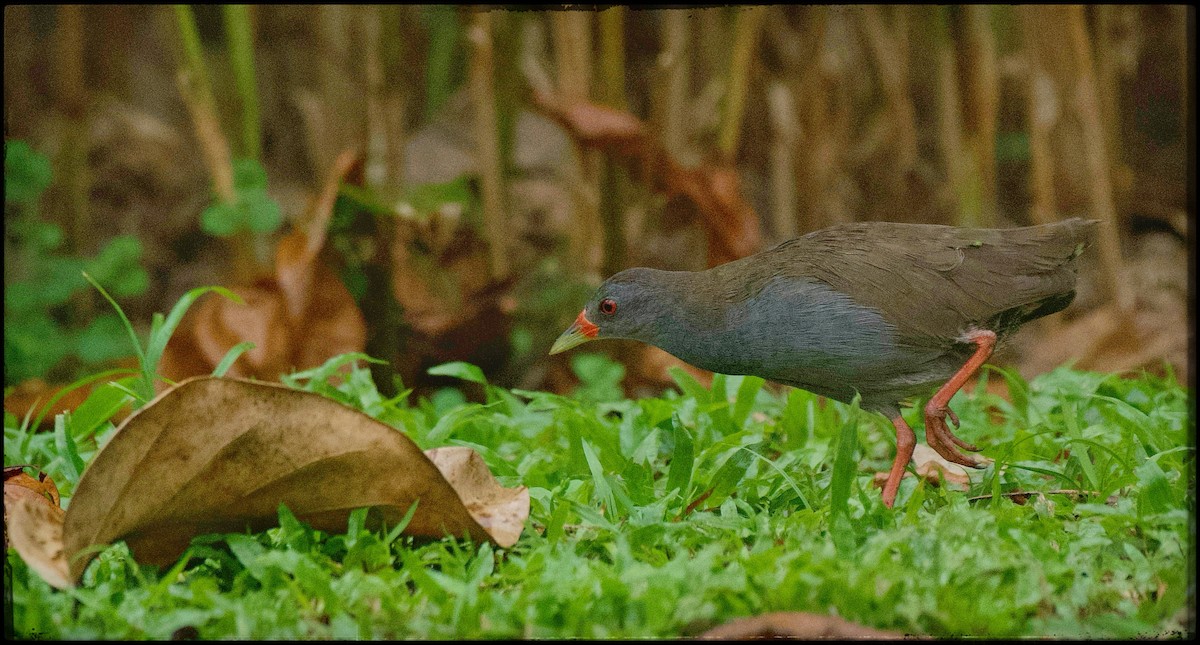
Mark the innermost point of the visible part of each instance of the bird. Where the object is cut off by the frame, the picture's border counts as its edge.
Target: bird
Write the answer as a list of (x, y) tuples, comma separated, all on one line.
[(886, 311)]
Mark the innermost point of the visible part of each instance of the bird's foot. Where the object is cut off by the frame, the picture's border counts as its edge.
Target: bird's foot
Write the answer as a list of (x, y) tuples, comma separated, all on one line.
[(941, 439)]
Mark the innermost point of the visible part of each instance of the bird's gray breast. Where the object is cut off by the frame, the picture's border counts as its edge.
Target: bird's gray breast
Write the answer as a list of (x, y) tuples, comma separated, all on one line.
[(799, 332)]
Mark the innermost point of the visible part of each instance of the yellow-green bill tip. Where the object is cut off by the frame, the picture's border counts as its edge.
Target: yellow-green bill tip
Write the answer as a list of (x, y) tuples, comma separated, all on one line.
[(577, 334), (573, 337)]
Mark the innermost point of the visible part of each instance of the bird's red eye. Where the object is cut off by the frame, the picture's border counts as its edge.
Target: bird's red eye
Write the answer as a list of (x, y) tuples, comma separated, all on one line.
[(608, 306)]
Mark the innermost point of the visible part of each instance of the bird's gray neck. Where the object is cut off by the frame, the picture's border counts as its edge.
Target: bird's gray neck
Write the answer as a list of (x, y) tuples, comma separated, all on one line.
[(690, 316)]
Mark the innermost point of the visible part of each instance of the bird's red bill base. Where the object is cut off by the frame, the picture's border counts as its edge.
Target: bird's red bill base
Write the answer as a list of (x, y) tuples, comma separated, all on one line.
[(585, 326), (578, 333)]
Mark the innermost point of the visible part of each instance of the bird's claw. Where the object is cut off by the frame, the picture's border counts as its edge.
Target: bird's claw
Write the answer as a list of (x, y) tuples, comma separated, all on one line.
[(939, 437)]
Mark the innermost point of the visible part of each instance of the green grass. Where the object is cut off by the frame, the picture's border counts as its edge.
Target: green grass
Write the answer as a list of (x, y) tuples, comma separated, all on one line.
[(611, 549)]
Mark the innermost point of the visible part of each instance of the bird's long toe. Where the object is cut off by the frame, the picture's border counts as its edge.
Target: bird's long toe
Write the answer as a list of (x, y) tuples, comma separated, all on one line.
[(948, 451), (939, 437)]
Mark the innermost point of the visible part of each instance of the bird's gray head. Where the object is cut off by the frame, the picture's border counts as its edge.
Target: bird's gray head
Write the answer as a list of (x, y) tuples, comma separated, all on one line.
[(630, 304)]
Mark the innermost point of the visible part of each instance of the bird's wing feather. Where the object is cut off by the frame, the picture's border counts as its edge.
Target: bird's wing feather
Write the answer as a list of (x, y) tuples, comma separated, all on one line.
[(933, 282)]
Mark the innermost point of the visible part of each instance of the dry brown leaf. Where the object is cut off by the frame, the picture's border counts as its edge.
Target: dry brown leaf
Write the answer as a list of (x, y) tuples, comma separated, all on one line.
[(933, 468), (35, 529), (494, 507), (298, 319), (453, 307), (730, 221), (1105, 340), (44, 486), (214, 455), (799, 625), (33, 393), (445, 290), (18, 486), (1156, 330)]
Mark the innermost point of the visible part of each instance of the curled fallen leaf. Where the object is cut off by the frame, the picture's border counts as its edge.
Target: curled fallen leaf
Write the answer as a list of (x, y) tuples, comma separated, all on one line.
[(501, 513), (20, 486), (298, 318), (934, 469), (730, 221), (216, 455), (35, 530), (798, 625)]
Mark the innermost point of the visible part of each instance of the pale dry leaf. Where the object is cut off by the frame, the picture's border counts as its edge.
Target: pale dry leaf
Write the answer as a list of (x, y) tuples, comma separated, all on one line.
[(35, 529), (215, 455), (43, 485), (933, 467), (798, 625), (494, 507), (18, 486)]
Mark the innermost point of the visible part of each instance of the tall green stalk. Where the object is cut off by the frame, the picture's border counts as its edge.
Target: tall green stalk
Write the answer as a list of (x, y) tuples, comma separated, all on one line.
[(747, 24), (241, 57), (193, 51)]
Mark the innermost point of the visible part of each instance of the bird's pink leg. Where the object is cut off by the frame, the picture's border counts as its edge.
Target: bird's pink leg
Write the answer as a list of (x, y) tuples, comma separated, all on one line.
[(905, 442), (937, 434)]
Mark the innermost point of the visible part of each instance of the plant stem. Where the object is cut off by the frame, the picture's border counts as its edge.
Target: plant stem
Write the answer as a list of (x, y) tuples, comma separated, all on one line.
[(510, 91), (894, 79), (573, 55), (614, 182), (479, 35), (612, 57), (782, 109), (1088, 107), (392, 53), (193, 52), (71, 93), (1041, 114), (985, 102), (239, 31), (197, 94), (950, 129), (376, 168), (747, 26), (671, 113)]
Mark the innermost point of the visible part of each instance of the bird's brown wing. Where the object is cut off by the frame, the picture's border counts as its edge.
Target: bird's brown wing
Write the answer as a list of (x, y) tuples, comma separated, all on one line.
[(935, 282)]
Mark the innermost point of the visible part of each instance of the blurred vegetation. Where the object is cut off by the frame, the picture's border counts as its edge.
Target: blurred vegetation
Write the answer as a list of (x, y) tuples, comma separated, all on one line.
[(164, 148), (41, 328)]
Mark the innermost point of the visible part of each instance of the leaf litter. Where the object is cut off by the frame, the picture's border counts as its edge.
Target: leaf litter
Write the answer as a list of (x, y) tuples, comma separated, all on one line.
[(297, 318), (219, 455)]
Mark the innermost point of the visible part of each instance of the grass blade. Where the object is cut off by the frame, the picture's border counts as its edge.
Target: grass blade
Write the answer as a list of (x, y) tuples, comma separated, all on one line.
[(679, 477), (137, 344), (157, 343), (37, 422), (231, 356), (67, 447), (844, 466), (747, 392)]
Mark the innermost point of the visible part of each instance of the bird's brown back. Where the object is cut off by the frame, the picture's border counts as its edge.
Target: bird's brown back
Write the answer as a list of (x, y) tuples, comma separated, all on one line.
[(932, 282)]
